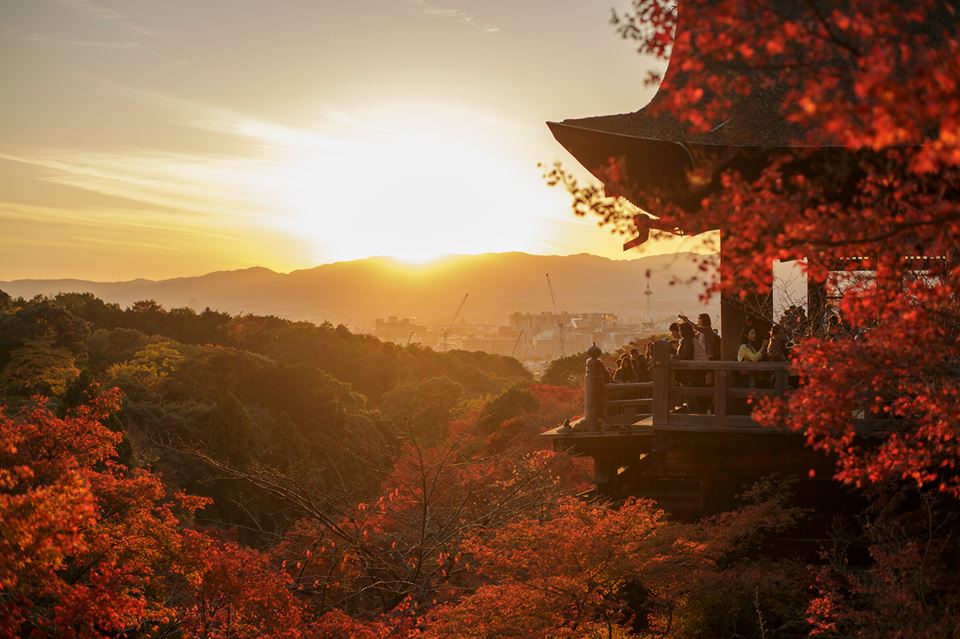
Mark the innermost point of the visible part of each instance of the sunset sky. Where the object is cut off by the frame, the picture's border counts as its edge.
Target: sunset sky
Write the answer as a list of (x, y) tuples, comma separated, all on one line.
[(147, 138)]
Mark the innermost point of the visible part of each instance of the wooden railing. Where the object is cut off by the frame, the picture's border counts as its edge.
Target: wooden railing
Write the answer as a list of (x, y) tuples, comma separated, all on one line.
[(683, 394), (712, 394), (688, 395), (627, 403)]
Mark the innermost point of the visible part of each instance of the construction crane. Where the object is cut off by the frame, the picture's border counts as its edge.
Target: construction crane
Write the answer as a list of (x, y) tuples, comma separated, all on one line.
[(410, 337), (516, 343), (456, 316), (553, 298), (561, 326)]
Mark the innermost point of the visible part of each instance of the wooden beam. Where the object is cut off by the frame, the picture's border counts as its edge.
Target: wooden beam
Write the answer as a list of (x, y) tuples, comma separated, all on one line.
[(743, 367), (720, 393)]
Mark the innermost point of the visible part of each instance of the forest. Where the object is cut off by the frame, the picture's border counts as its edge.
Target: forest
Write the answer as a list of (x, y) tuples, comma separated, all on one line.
[(174, 474), (168, 473)]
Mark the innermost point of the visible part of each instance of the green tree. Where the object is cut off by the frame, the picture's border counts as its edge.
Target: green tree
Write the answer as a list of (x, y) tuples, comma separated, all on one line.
[(229, 430), (566, 371), (423, 407)]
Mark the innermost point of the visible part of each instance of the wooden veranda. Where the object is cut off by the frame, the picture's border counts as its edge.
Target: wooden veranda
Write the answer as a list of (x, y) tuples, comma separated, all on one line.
[(693, 447)]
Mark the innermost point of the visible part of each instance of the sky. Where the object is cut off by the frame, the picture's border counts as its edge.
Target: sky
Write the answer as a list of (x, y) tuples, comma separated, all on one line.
[(149, 138)]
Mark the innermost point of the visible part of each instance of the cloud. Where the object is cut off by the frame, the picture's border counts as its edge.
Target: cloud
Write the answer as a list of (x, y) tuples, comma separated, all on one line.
[(195, 184), (20, 35), (457, 15), (218, 119), (106, 14), (127, 44), (13, 33), (90, 221)]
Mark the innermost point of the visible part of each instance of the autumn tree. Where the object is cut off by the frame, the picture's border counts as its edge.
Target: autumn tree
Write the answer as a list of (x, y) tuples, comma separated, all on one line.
[(858, 103), (869, 168), (403, 548), (93, 548), (84, 539), (589, 570)]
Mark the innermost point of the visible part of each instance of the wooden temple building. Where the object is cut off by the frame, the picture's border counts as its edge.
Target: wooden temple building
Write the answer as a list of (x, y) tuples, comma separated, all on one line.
[(694, 462)]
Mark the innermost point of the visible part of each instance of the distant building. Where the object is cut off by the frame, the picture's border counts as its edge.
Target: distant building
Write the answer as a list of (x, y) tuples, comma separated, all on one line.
[(400, 331), (594, 321), (553, 335), (534, 324), (496, 345)]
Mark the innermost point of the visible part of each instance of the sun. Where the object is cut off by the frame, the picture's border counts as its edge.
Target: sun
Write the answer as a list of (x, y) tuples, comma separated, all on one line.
[(412, 193), (418, 258)]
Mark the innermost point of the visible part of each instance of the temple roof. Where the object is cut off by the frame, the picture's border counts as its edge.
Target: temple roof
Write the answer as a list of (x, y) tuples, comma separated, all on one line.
[(660, 149), (755, 120), (753, 123)]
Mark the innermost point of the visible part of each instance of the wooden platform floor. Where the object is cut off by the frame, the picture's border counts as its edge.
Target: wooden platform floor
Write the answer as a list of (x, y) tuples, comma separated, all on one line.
[(686, 423)]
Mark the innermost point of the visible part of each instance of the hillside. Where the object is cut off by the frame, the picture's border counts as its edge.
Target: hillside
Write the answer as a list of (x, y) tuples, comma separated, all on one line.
[(356, 292)]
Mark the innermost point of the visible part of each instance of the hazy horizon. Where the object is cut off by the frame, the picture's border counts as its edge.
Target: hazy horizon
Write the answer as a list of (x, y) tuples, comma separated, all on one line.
[(358, 291), (400, 263)]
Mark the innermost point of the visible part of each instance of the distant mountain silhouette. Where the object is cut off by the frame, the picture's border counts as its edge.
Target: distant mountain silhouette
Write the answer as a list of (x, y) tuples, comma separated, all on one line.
[(359, 291)]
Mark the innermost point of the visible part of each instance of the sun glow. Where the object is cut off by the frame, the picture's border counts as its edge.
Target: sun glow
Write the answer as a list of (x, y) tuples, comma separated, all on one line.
[(415, 193)]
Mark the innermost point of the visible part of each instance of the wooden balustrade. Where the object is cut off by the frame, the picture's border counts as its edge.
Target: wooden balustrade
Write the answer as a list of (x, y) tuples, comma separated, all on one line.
[(628, 403), (687, 395), (687, 441), (719, 401), (711, 394)]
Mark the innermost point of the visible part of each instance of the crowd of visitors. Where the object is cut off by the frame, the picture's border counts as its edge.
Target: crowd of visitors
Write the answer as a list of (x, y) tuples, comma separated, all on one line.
[(774, 348), (632, 367), (795, 322), (699, 341)]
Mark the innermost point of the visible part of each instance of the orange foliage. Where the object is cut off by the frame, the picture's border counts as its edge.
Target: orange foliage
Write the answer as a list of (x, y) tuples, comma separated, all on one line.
[(91, 548), (884, 102)]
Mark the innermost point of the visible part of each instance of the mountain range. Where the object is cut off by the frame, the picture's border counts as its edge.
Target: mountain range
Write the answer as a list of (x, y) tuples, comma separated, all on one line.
[(356, 292)]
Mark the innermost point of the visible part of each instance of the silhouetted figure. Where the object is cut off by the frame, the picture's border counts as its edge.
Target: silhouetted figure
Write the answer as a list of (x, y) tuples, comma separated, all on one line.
[(686, 350), (834, 328), (707, 340), (709, 336), (750, 351), (775, 348), (624, 372), (640, 364), (705, 347), (674, 336)]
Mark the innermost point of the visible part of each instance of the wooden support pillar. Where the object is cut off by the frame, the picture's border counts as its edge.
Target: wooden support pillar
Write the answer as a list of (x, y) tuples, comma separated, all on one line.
[(780, 380), (732, 317), (594, 392), (662, 384), (718, 493), (720, 392), (605, 475), (732, 321)]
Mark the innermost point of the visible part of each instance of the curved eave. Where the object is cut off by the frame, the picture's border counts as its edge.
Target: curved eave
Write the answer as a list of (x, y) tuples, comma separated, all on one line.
[(650, 165), (678, 171)]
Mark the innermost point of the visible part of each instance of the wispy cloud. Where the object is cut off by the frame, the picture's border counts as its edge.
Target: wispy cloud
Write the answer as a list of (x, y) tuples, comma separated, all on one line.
[(106, 14), (20, 35), (126, 44), (217, 119), (136, 221), (195, 184), (457, 15)]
